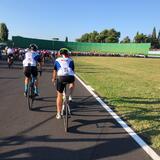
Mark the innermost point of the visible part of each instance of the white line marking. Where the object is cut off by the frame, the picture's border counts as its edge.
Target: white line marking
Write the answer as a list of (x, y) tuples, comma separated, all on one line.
[(129, 130)]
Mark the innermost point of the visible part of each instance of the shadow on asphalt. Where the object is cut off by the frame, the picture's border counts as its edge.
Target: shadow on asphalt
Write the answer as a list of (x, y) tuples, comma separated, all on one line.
[(48, 108), (103, 149)]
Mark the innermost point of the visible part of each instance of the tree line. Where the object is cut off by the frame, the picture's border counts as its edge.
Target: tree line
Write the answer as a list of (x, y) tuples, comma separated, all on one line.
[(106, 36), (3, 32), (112, 36)]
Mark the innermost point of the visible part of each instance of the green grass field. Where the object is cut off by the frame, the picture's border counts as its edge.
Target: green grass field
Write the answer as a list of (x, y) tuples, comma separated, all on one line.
[(131, 86)]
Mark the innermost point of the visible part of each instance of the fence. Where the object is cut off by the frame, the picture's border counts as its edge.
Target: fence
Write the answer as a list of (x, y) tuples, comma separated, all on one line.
[(121, 48)]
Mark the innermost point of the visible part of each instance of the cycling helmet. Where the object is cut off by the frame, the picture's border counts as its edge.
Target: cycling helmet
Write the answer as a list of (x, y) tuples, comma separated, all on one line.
[(64, 51), (33, 47)]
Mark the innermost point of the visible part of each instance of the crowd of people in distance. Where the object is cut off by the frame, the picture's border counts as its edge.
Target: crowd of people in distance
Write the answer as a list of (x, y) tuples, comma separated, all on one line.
[(19, 53)]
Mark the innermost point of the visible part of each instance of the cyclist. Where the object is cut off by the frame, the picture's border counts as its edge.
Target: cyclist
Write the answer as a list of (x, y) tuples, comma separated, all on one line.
[(63, 72), (10, 56), (31, 59)]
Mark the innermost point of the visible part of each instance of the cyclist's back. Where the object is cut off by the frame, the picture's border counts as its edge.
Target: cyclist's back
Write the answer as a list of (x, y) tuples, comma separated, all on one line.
[(64, 66), (10, 52), (31, 58)]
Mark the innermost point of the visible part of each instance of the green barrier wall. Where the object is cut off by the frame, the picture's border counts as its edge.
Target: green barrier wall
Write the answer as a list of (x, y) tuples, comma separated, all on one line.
[(25, 42), (126, 48)]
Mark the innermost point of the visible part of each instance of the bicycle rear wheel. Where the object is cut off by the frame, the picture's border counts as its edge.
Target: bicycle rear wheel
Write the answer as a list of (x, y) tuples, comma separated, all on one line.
[(30, 97), (66, 118)]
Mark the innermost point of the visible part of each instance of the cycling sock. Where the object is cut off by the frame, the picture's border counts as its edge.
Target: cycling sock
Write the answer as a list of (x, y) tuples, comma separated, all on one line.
[(36, 90), (25, 87)]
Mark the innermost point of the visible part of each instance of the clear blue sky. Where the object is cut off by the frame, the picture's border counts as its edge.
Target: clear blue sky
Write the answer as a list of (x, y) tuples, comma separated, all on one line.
[(46, 19)]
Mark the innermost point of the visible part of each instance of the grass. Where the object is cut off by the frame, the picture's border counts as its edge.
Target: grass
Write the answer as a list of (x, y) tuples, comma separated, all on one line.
[(131, 86)]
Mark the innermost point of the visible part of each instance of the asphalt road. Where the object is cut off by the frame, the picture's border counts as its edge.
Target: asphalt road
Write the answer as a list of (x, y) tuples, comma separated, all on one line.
[(38, 135)]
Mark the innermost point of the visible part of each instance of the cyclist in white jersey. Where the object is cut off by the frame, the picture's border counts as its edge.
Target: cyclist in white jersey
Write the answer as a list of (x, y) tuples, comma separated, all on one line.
[(30, 67), (63, 72), (10, 55)]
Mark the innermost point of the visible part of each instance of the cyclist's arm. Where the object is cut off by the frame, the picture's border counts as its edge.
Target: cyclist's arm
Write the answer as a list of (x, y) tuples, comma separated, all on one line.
[(38, 58), (54, 75), (40, 65), (71, 65)]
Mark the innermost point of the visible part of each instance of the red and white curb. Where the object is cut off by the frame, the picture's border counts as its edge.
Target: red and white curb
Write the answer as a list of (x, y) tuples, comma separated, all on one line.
[(129, 130)]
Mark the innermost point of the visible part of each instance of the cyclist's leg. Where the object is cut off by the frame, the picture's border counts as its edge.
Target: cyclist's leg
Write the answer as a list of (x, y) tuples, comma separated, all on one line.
[(8, 56), (59, 101), (71, 87), (60, 87), (27, 74), (34, 72)]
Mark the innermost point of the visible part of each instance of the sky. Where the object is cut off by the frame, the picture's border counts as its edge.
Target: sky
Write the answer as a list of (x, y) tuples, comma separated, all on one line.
[(48, 19)]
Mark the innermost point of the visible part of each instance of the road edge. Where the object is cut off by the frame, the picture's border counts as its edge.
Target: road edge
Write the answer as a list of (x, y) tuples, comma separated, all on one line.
[(128, 129)]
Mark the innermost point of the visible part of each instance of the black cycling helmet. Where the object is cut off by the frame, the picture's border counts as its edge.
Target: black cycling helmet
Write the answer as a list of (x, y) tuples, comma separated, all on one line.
[(64, 51), (33, 47)]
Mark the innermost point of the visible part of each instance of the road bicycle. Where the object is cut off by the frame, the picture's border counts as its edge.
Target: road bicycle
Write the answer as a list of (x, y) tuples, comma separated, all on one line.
[(31, 91), (66, 112)]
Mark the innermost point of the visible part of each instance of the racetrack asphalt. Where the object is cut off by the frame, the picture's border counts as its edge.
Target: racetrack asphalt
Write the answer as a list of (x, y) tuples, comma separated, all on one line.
[(38, 135)]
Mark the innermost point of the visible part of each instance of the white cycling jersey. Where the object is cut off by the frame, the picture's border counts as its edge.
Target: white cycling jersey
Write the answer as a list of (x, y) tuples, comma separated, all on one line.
[(64, 66), (30, 59), (10, 51)]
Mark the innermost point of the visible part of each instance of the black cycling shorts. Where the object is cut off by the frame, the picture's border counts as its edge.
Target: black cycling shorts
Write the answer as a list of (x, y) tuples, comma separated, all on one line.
[(62, 81), (10, 55), (30, 70)]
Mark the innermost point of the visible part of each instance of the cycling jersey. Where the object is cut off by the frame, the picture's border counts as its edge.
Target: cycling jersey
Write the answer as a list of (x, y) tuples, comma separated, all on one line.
[(9, 51), (31, 59), (64, 66)]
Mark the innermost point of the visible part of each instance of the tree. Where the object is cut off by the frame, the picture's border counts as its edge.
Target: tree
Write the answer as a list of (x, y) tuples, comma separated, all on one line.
[(154, 34), (104, 35), (154, 41), (3, 32), (93, 36), (84, 38), (149, 38), (66, 40), (113, 36), (158, 36), (158, 39), (126, 40), (108, 36), (140, 38)]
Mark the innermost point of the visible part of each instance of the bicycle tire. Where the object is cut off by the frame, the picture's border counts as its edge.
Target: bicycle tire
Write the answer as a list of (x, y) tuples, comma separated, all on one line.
[(30, 97), (66, 118), (65, 111)]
